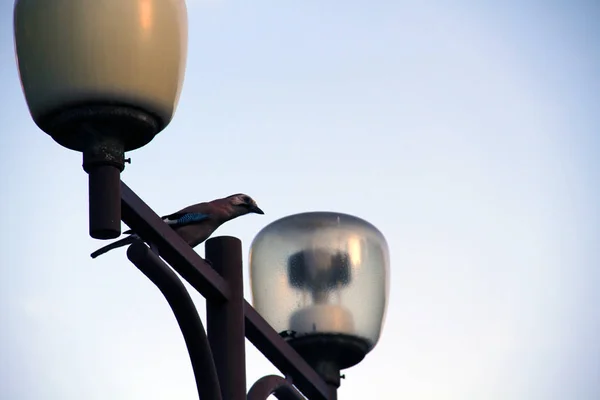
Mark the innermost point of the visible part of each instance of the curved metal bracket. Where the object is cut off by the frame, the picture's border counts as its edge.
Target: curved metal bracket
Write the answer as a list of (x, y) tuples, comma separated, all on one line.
[(205, 372), (274, 385)]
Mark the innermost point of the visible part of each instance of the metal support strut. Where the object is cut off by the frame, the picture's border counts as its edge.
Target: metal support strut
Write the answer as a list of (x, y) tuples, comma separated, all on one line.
[(273, 385), (205, 372)]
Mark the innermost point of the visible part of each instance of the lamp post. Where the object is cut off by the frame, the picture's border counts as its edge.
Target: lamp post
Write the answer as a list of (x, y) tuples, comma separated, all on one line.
[(103, 77)]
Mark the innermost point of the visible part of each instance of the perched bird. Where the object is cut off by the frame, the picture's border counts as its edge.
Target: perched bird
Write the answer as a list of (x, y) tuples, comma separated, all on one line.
[(197, 222)]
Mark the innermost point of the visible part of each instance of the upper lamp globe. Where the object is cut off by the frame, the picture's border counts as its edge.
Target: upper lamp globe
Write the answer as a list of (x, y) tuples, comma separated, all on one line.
[(321, 280), (93, 68)]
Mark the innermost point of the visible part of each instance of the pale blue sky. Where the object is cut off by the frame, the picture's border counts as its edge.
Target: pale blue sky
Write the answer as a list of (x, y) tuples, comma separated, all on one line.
[(467, 133)]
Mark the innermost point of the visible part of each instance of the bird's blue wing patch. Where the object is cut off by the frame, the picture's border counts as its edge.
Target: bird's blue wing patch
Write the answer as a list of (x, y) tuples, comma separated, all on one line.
[(191, 218)]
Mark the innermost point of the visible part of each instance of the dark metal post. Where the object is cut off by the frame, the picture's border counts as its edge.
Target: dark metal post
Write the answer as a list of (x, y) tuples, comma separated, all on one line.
[(333, 392), (103, 160), (105, 202), (225, 319)]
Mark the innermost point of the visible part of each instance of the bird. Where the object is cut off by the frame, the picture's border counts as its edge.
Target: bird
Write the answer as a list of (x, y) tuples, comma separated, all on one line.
[(197, 222)]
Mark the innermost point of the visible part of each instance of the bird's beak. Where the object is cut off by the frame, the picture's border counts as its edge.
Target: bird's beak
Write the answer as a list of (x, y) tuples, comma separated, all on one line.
[(256, 210)]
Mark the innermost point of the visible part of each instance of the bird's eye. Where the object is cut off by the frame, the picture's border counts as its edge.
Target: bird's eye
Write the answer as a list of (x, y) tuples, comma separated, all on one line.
[(247, 199)]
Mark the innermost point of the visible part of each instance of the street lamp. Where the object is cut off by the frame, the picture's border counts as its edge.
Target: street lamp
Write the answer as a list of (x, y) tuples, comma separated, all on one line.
[(103, 77), (320, 279)]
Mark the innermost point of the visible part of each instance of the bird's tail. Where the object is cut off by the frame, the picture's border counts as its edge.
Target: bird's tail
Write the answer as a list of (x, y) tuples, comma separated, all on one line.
[(115, 245)]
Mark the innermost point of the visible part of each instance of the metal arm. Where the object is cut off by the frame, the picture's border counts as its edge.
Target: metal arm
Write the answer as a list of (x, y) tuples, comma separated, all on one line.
[(273, 385), (205, 372)]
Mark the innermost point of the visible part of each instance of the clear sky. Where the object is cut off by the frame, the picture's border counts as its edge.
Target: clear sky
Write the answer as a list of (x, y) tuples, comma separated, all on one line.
[(467, 133)]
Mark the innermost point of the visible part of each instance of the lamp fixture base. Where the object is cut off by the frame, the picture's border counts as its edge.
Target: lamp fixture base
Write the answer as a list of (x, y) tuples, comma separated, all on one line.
[(103, 132), (75, 127), (329, 353)]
